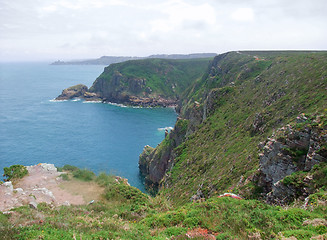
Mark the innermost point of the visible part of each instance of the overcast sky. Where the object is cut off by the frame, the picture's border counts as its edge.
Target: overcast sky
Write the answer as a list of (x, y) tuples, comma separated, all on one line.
[(79, 29)]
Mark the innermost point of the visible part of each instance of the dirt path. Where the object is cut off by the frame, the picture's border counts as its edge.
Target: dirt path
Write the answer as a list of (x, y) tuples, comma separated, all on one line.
[(43, 184)]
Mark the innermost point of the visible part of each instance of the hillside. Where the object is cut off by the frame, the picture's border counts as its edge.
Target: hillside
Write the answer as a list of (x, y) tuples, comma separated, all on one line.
[(124, 212), (238, 103)]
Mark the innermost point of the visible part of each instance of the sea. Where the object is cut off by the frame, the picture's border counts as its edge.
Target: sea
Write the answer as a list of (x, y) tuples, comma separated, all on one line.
[(98, 136)]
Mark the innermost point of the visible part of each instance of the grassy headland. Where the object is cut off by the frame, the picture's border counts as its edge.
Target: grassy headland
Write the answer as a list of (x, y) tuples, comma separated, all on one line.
[(240, 108)]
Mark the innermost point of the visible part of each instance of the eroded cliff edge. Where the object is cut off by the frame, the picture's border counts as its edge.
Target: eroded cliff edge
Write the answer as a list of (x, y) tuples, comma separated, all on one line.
[(238, 103)]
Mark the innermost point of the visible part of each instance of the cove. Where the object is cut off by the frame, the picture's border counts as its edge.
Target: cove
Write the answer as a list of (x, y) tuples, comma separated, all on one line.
[(100, 137)]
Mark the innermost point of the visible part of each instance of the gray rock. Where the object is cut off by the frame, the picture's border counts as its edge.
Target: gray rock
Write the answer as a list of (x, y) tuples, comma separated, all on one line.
[(9, 186), (19, 190), (198, 196), (33, 205), (48, 167), (66, 203)]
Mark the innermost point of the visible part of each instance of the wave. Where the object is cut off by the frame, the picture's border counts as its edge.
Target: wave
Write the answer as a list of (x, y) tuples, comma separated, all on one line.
[(117, 104), (76, 100), (165, 128), (92, 101), (54, 100)]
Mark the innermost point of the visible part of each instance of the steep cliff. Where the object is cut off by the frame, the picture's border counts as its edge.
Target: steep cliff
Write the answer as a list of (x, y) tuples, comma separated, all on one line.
[(236, 105), (149, 82)]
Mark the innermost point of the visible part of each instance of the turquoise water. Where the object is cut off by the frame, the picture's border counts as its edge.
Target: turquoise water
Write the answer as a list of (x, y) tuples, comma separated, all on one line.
[(100, 137)]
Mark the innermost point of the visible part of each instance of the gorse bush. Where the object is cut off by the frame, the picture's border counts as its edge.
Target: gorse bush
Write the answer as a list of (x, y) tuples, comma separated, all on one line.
[(14, 172)]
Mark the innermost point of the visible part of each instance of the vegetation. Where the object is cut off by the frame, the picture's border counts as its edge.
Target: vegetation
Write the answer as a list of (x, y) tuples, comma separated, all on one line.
[(244, 99), (14, 172), (81, 174), (241, 99), (127, 213)]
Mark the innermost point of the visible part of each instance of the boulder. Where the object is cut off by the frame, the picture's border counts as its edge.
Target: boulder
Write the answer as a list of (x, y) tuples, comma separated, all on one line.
[(9, 187), (33, 204)]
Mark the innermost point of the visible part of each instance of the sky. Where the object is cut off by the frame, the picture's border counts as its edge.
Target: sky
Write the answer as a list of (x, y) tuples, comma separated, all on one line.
[(83, 29)]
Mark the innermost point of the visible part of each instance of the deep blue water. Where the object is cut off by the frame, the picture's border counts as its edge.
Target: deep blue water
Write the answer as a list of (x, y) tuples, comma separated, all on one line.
[(100, 137)]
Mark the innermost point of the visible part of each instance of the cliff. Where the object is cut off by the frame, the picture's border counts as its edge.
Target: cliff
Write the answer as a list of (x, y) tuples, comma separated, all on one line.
[(147, 83), (237, 104)]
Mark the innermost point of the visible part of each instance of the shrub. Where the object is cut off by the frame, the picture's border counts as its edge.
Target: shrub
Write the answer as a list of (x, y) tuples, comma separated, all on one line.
[(64, 177), (191, 222), (126, 194), (67, 167), (174, 231), (84, 174), (14, 172)]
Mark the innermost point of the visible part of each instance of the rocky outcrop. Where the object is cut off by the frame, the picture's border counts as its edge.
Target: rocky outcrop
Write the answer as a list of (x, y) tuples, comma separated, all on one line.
[(40, 185), (149, 102), (78, 91), (82, 92), (293, 148)]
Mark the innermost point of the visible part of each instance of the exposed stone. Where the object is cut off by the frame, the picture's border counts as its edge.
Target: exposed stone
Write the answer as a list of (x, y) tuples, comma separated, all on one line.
[(19, 190), (66, 203), (198, 196), (255, 236), (48, 167), (40, 185), (315, 222), (319, 237), (258, 124), (289, 150), (9, 187), (33, 205)]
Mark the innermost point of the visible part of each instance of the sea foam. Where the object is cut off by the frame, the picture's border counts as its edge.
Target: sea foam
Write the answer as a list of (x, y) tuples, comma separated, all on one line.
[(54, 100), (165, 128)]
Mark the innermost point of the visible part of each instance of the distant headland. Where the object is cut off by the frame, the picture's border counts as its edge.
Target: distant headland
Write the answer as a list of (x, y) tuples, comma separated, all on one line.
[(107, 60)]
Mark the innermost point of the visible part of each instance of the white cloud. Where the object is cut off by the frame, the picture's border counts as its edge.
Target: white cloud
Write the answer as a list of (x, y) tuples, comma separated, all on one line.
[(92, 28), (179, 12), (243, 14)]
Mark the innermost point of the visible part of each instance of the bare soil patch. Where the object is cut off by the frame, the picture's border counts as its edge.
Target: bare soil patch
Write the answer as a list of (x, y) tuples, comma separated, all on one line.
[(44, 184)]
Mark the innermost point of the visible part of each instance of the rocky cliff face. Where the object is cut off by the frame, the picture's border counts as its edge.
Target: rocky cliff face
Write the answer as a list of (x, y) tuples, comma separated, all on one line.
[(154, 162), (291, 149)]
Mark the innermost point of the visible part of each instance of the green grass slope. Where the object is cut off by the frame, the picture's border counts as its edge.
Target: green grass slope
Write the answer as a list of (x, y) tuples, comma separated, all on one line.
[(242, 98), (126, 213), (149, 78)]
